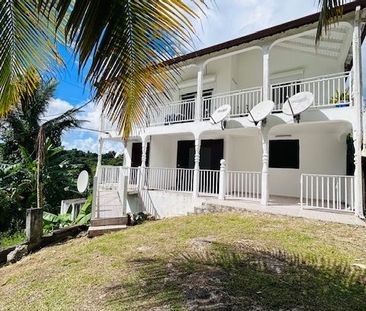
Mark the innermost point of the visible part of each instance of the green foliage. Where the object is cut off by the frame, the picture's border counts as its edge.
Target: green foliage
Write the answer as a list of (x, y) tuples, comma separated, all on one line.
[(340, 97), (10, 239), (53, 221), (84, 215)]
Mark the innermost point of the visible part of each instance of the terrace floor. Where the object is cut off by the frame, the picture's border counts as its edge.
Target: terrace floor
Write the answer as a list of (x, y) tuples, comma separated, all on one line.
[(290, 207)]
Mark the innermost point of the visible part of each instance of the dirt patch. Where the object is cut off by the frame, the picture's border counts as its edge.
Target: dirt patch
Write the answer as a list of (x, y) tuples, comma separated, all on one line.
[(201, 244)]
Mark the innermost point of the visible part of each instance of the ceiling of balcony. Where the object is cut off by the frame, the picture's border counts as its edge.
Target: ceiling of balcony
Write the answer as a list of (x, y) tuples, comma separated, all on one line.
[(335, 43)]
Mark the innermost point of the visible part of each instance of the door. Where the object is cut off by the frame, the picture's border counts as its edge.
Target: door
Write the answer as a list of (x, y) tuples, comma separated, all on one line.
[(212, 151), (137, 154)]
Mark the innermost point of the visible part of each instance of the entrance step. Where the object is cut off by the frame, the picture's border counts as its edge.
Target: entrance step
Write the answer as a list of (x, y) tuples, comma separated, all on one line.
[(100, 230), (113, 221)]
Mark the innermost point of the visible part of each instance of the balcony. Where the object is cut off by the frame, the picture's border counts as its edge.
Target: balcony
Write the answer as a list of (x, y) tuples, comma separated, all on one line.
[(329, 91)]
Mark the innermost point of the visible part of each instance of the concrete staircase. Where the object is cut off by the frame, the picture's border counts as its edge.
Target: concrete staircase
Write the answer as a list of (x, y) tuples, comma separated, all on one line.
[(100, 226)]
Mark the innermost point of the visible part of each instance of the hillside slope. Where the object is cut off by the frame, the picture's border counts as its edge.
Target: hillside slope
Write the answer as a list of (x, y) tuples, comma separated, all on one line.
[(207, 262)]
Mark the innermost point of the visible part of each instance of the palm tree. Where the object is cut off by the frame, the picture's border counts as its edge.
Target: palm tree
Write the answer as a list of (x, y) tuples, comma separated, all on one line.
[(29, 130), (330, 11), (21, 127), (128, 42)]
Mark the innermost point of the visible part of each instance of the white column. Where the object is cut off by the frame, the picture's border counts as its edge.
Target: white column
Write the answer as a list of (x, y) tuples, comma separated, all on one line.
[(357, 99), (264, 131), (265, 157), (100, 140), (266, 88), (198, 107), (143, 163), (222, 181), (196, 177)]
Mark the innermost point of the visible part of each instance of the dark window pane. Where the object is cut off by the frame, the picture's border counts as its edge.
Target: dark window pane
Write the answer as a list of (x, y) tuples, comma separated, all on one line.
[(284, 154)]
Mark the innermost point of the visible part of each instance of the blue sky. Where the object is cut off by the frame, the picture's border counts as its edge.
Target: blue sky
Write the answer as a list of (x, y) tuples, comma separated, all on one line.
[(225, 20)]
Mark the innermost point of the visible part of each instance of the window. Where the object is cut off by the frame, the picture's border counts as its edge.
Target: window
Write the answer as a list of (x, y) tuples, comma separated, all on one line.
[(284, 153)]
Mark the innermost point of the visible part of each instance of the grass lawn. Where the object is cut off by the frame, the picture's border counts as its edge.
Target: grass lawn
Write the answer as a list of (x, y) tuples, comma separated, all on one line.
[(207, 262), (7, 240)]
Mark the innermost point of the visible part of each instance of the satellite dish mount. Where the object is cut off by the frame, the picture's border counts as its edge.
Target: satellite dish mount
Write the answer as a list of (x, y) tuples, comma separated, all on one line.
[(220, 115), (260, 112), (297, 104)]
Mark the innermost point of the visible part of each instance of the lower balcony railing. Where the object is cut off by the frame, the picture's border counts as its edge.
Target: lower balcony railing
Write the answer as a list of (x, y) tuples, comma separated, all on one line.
[(243, 185), (332, 192)]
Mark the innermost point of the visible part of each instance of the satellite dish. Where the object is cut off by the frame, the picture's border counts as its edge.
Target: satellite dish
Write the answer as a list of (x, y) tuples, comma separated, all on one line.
[(260, 111), (297, 104), (220, 114), (82, 182)]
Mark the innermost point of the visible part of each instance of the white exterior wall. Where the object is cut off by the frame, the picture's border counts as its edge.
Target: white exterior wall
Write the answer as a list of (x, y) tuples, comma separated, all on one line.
[(320, 153), (163, 151)]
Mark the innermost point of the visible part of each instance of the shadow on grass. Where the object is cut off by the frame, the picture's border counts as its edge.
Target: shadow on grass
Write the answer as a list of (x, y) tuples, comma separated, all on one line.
[(223, 277)]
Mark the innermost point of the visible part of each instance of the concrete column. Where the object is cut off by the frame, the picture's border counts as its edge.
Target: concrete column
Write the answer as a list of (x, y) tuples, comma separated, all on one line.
[(357, 100), (101, 142), (34, 226), (265, 158), (198, 106), (143, 163), (222, 181), (196, 177), (266, 88)]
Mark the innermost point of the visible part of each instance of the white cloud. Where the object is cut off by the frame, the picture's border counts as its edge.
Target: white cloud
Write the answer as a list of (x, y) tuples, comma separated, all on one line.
[(229, 19)]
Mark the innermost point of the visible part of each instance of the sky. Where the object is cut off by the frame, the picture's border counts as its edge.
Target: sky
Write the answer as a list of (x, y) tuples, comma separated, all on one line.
[(224, 20)]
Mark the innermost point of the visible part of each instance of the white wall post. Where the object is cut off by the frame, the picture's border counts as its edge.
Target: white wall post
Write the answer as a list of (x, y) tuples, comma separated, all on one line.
[(101, 142), (198, 106), (196, 172), (143, 163), (357, 127), (266, 88), (264, 131), (265, 158), (222, 180)]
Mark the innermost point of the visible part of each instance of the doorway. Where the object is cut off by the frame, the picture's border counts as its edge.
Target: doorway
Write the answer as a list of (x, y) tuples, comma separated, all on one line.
[(211, 153)]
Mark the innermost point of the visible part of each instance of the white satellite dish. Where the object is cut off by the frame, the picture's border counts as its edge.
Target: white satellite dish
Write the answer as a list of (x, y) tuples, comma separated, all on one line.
[(297, 104), (220, 114), (83, 180), (260, 111)]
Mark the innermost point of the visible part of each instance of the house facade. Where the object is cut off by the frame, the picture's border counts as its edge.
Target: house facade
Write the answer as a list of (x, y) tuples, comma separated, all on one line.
[(180, 160)]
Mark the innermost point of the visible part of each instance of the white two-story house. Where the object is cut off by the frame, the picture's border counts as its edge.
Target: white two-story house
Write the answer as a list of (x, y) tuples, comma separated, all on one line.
[(180, 160)]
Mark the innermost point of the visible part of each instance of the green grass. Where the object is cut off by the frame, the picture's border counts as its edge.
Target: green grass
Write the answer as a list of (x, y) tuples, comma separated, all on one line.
[(7, 240), (222, 261)]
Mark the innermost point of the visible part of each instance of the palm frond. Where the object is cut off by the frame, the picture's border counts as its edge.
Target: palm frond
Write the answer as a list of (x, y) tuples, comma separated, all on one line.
[(26, 43), (330, 11), (127, 43)]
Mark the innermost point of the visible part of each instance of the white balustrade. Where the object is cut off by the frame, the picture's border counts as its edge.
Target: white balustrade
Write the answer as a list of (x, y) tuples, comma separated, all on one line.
[(169, 179), (240, 101), (334, 192), (171, 113), (329, 91), (109, 177), (209, 182), (243, 185)]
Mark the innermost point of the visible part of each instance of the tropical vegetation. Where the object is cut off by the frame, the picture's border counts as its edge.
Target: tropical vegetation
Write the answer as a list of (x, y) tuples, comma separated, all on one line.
[(19, 161)]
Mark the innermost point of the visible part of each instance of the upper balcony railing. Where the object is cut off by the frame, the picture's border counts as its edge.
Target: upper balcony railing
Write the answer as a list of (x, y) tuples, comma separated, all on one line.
[(330, 90), (175, 112), (240, 101)]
